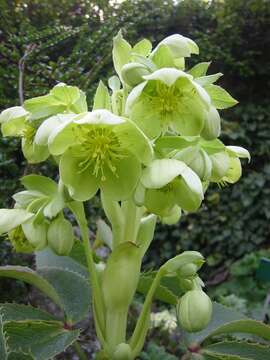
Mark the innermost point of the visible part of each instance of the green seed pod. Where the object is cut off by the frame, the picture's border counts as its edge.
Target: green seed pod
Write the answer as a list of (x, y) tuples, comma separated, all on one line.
[(121, 276), (133, 73), (19, 241), (194, 311), (60, 236), (122, 352)]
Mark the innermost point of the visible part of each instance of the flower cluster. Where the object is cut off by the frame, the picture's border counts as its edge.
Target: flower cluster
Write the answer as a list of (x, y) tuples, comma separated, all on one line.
[(152, 134)]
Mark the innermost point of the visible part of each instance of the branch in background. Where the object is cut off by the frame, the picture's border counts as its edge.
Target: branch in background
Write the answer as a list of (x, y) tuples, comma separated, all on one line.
[(28, 51)]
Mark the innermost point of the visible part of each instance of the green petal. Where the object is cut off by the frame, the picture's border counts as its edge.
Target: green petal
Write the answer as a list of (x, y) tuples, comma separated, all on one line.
[(142, 47), (50, 125), (163, 57), (43, 106), (24, 198), (133, 139), (81, 185), (159, 201), (238, 151), (62, 138), (235, 171), (220, 165), (167, 75), (161, 172), (34, 153), (179, 45), (102, 98), (121, 52), (212, 127), (13, 121), (189, 119), (65, 94), (188, 191), (36, 234), (99, 117), (11, 218), (122, 186), (133, 96)]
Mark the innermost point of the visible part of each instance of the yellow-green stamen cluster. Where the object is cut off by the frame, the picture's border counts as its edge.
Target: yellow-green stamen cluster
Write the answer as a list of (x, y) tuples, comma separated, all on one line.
[(102, 148), (28, 134)]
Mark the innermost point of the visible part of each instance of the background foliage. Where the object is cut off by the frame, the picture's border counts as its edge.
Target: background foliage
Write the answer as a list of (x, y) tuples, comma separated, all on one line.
[(73, 44)]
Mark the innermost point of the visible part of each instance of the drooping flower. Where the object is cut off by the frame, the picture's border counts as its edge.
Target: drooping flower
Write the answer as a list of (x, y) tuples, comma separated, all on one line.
[(169, 100), (98, 150), (24, 121)]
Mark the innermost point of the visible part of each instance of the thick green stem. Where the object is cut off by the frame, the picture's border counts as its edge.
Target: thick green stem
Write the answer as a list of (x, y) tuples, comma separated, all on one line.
[(78, 210), (116, 326)]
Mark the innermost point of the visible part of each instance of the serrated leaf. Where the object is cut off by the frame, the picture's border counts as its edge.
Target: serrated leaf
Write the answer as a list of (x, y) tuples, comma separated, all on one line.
[(31, 277), (209, 79), (43, 339), (241, 349), (3, 346), (73, 290), (16, 312), (221, 315), (220, 98)]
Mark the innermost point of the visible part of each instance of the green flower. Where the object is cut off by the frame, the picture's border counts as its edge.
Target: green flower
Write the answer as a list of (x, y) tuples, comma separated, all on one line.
[(169, 100), (169, 185), (24, 121), (98, 150)]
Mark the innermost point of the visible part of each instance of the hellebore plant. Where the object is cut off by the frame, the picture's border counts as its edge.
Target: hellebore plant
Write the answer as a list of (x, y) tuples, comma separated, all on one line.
[(149, 148)]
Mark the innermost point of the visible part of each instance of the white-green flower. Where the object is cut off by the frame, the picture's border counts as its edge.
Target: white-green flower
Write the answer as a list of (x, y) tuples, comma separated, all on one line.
[(99, 150), (169, 100)]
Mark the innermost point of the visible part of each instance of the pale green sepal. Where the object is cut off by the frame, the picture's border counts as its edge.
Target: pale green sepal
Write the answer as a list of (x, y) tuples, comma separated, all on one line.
[(62, 137), (11, 218), (24, 198), (163, 57), (168, 75), (99, 117), (36, 234), (209, 79), (202, 165), (133, 96), (71, 96), (160, 172), (173, 217), (34, 153), (13, 121), (220, 98), (49, 127), (133, 139), (220, 165), (43, 106), (234, 172), (143, 47), (132, 73), (187, 257), (102, 98), (212, 126), (199, 69), (239, 152), (159, 201), (179, 45), (121, 52), (114, 83)]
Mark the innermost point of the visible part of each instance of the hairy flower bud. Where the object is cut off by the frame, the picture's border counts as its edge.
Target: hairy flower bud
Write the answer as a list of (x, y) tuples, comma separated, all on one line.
[(133, 73), (194, 311), (60, 236)]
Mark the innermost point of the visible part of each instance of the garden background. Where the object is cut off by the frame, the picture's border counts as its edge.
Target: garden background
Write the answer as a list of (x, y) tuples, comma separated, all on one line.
[(70, 41)]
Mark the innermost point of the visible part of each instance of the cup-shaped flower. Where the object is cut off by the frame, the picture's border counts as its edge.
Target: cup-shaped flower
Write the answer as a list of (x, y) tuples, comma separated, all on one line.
[(99, 150), (180, 46), (168, 99), (169, 182)]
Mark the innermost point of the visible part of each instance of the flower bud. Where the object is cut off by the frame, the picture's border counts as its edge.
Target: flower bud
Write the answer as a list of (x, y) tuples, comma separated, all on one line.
[(211, 128), (60, 236), (121, 276), (36, 233), (202, 165), (122, 352), (133, 73), (194, 311), (220, 165), (235, 171)]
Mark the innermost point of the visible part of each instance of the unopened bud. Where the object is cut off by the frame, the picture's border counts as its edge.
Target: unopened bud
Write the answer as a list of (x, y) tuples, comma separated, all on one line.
[(60, 236), (122, 352), (194, 311)]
